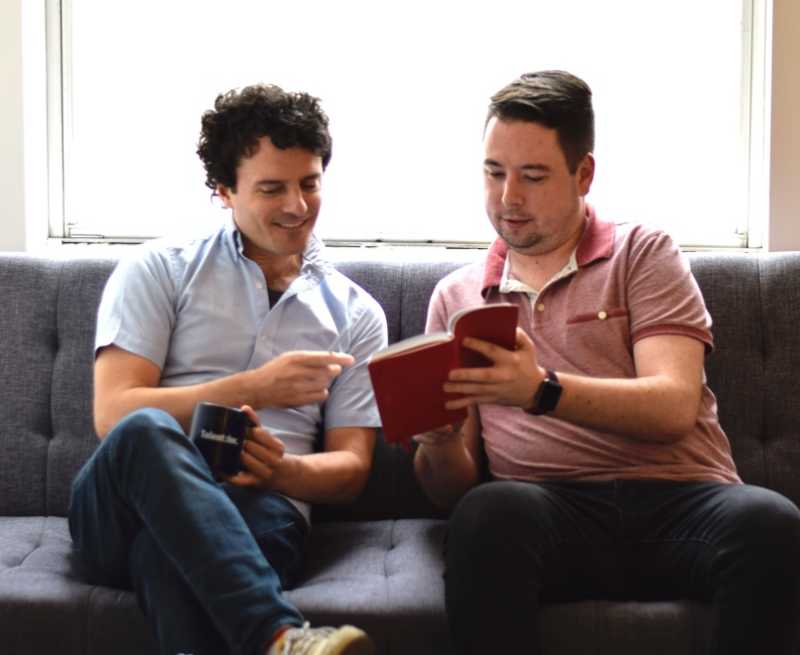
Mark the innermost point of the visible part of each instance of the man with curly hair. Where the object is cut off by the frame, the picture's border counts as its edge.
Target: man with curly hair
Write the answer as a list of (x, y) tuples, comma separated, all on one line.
[(250, 316)]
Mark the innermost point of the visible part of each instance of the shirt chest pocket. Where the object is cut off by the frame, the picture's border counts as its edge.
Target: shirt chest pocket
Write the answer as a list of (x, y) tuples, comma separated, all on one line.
[(601, 336)]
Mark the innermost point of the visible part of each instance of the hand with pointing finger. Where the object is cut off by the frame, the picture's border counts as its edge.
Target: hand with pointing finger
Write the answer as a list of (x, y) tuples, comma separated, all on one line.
[(297, 378)]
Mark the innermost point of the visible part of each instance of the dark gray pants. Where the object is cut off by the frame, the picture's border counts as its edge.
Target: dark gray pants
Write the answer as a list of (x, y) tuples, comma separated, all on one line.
[(512, 545)]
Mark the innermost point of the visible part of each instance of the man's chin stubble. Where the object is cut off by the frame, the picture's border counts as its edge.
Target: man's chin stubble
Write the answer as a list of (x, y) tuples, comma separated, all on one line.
[(521, 244)]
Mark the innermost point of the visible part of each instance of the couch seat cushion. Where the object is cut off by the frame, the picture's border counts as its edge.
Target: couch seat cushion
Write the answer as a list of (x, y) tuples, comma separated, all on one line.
[(383, 575)]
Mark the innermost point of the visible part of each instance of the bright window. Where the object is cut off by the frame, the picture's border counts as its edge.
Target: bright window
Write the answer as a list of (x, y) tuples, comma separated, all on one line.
[(406, 87)]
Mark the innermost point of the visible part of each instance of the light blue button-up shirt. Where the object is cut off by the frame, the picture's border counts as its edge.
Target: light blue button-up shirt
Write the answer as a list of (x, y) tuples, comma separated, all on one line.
[(201, 311)]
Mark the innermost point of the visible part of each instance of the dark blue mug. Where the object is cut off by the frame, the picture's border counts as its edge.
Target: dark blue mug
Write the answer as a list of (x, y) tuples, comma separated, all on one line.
[(219, 433)]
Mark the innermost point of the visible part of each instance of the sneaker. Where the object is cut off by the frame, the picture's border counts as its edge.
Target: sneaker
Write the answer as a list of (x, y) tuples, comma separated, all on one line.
[(345, 640)]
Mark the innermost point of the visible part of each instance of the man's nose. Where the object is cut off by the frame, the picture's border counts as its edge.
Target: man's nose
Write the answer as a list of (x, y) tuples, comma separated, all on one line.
[(512, 194), (296, 202)]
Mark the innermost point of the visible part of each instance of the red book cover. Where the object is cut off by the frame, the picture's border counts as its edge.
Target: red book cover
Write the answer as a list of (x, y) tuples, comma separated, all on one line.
[(408, 376)]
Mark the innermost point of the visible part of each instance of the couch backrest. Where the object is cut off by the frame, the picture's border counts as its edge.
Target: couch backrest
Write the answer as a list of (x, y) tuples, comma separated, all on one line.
[(754, 301), (46, 334), (47, 328)]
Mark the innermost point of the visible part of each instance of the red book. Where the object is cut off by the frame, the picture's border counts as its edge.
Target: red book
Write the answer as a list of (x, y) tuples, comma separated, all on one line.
[(408, 376)]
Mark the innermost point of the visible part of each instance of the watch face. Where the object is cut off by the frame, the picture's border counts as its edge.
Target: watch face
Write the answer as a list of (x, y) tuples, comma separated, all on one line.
[(551, 392), (547, 395)]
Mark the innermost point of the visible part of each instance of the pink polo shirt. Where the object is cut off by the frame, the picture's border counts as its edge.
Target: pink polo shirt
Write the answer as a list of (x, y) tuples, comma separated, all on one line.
[(631, 282)]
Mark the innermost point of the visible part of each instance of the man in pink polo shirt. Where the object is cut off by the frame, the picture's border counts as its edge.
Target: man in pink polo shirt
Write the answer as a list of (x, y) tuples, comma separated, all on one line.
[(610, 476)]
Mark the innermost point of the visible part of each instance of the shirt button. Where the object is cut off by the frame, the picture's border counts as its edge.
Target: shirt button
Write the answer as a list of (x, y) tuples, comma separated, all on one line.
[(259, 285), (602, 315), (540, 307)]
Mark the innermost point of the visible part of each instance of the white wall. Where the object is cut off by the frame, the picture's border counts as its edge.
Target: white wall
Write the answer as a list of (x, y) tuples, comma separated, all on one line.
[(17, 233), (12, 163), (783, 232)]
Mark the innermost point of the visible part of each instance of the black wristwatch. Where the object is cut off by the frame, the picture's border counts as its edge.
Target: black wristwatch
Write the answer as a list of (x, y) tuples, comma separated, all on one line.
[(546, 397)]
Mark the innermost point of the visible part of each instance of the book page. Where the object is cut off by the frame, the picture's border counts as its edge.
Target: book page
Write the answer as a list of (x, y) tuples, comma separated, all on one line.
[(411, 344)]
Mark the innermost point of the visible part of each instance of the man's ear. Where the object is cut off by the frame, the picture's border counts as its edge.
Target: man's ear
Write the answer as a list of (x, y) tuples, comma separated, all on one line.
[(225, 195), (585, 173)]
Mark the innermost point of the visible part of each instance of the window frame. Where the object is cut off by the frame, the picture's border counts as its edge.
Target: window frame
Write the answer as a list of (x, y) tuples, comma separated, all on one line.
[(755, 130)]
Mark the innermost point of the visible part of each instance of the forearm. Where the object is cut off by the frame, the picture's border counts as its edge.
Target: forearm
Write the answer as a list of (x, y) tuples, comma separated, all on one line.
[(660, 405), (446, 471), (234, 390), (325, 478), (645, 408)]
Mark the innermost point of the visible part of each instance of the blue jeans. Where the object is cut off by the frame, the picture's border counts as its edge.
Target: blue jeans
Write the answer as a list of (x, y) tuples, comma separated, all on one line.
[(208, 561), (511, 545)]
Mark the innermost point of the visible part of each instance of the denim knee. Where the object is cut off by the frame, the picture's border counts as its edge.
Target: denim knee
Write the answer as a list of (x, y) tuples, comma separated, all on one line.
[(147, 419), (145, 428), (152, 438)]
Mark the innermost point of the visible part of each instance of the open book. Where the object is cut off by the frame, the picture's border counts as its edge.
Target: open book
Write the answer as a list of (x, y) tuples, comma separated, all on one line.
[(408, 376)]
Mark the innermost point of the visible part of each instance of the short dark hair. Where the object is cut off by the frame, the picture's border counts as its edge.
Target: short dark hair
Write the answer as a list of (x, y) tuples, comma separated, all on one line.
[(555, 99), (230, 131)]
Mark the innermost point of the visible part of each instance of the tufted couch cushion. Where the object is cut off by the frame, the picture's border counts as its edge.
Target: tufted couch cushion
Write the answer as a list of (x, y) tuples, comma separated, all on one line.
[(754, 301), (47, 329), (385, 576)]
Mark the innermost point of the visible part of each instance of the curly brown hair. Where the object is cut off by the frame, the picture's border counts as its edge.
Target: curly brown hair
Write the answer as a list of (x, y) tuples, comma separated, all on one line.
[(230, 131)]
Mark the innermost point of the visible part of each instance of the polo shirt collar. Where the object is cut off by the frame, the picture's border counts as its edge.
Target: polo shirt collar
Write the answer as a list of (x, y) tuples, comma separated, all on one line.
[(596, 242)]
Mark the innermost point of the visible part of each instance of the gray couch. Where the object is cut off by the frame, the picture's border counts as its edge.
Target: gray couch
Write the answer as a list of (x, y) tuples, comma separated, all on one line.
[(376, 563)]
